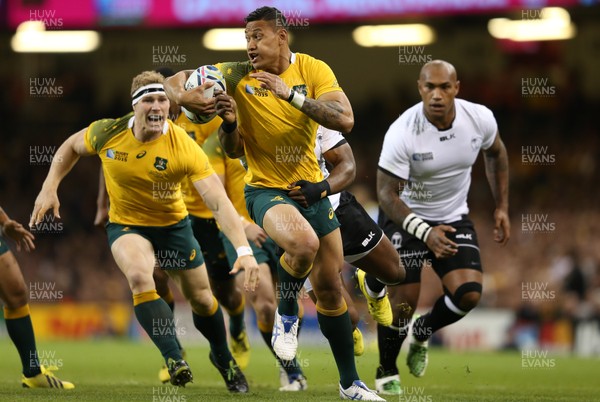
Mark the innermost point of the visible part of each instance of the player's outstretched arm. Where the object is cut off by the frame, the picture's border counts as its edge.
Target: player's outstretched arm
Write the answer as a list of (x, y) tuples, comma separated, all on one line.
[(388, 190), (331, 110), (193, 100), (65, 158), (212, 191), (16, 232), (496, 169)]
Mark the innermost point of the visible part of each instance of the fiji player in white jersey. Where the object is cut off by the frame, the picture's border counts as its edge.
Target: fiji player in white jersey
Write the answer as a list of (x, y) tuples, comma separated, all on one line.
[(427, 154)]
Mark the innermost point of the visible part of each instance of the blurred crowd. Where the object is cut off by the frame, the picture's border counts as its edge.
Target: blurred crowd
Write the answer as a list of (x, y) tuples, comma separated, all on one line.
[(560, 257)]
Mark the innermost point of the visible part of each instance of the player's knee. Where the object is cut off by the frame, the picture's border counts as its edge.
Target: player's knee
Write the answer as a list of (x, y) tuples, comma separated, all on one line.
[(303, 249), (16, 297), (202, 302), (231, 299), (469, 301), (329, 297), (467, 296), (265, 311), (139, 279)]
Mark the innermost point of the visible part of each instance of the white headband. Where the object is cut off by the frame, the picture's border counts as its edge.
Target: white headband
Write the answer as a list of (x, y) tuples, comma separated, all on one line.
[(149, 89)]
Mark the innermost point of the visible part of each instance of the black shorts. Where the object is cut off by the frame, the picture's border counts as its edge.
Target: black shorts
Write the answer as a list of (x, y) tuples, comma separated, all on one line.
[(206, 231), (415, 254), (360, 233)]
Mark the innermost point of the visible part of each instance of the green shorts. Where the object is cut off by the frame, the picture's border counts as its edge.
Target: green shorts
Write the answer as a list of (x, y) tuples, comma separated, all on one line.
[(320, 216), (174, 246), (206, 231), (267, 254), (3, 245)]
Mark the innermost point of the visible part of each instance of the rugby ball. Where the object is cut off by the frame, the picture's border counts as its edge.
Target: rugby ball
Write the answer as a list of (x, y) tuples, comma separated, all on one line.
[(199, 77)]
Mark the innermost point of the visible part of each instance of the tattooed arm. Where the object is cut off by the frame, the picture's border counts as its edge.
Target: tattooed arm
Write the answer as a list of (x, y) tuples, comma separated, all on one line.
[(331, 110)]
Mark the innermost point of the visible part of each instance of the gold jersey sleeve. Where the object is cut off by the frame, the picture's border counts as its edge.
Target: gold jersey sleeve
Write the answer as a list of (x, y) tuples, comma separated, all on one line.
[(143, 179), (199, 133), (279, 140), (231, 172)]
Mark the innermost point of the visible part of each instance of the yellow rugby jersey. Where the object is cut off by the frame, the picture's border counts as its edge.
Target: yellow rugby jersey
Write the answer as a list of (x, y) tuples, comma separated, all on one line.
[(198, 132), (231, 169), (143, 179), (279, 139)]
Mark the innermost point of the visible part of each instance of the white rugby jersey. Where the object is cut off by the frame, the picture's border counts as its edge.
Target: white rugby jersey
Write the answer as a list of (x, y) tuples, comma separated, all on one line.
[(327, 139), (437, 163)]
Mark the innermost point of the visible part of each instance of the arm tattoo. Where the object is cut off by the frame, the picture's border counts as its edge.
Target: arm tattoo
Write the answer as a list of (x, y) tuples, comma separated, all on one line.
[(328, 113)]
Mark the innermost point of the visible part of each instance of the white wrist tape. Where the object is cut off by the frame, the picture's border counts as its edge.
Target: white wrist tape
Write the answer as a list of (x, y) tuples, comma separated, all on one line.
[(298, 100), (243, 250), (416, 227)]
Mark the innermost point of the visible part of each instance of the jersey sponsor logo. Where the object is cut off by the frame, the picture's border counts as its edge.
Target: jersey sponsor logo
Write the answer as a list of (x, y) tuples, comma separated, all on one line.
[(277, 198), (160, 163), (331, 213), (447, 137), (193, 255), (466, 236), (117, 155), (420, 157), (368, 239), (257, 91), (141, 155)]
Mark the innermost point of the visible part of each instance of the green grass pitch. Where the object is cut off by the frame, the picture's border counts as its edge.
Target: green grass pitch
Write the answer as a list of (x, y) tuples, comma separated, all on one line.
[(112, 370)]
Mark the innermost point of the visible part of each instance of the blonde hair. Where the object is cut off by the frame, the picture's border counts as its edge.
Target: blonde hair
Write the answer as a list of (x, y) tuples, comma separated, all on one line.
[(145, 78)]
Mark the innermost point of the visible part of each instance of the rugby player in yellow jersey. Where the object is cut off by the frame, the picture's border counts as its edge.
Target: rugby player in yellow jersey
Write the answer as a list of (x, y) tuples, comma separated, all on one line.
[(281, 99), (262, 300), (13, 293), (207, 233), (145, 158)]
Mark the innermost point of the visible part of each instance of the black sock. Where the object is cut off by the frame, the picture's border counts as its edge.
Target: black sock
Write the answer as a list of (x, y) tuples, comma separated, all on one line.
[(374, 284), (439, 316), (157, 320), (213, 329), (338, 331), (389, 341), (288, 288), (21, 333), (236, 323), (171, 305)]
